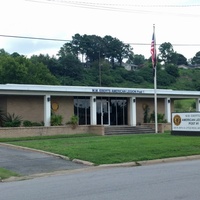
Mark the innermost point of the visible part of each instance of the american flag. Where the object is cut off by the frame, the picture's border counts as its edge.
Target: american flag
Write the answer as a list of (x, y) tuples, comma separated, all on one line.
[(153, 51)]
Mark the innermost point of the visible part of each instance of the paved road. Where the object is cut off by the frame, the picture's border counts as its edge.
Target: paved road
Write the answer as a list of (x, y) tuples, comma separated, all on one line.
[(26, 162), (169, 181)]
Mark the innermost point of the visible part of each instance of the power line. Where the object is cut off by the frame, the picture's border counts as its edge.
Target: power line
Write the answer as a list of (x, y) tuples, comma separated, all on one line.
[(35, 38), (118, 7), (160, 44), (65, 40), (113, 4)]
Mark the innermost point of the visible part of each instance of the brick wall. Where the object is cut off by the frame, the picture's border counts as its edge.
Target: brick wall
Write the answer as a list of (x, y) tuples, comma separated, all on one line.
[(32, 107), (28, 107), (48, 131), (65, 107), (141, 102)]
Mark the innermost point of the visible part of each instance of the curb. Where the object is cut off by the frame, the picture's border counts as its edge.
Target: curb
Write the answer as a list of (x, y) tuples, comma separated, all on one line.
[(83, 162), (32, 176), (169, 160), (127, 164), (49, 153), (35, 150), (151, 162)]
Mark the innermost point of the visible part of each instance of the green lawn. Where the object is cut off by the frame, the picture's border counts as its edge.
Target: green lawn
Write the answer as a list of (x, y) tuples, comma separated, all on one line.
[(4, 173), (116, 149)]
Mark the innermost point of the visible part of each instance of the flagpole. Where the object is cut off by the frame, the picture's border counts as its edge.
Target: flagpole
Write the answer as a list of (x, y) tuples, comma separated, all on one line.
[(155, 84), (155, 100)]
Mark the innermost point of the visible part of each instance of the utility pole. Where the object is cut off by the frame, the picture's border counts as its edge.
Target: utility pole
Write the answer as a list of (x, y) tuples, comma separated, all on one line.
[(99, 71)]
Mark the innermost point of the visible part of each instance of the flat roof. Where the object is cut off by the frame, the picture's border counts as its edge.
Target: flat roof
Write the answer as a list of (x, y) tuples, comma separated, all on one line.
[(26, 89)]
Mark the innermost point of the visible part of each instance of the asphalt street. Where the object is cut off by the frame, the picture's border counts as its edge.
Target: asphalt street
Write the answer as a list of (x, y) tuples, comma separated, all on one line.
[(27, 162), (164, 181)]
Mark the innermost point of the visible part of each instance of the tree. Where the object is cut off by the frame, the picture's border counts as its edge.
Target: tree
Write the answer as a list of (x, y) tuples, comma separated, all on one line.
[(89, 46), (123, 52), (40, 74), (136, 59), (133, 76), (146, 73), (12, 71), (70, 66), (18, 69), (93, 48), (51, 62), (116, 50), (172, 70), (176, 59), (77, 45), (74, 47), (3, 52), (166, 54), (164, 79), (182, 60), (172, 59), (195, 79), (15, 55), (196, 59)]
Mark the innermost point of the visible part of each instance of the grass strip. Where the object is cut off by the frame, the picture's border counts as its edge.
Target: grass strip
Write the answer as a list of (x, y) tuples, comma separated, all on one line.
[(4, 174), (45, 137)]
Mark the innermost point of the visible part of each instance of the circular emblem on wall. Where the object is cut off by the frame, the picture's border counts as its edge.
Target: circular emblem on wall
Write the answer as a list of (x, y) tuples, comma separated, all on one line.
[(54, 106), (177, 120)]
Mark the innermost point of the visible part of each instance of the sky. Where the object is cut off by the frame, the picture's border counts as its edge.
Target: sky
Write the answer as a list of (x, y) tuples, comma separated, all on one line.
[(131, 21)]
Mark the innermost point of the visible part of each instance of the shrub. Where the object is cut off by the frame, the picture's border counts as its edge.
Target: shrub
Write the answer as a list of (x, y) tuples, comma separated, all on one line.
[(27, 123), (73, 121), (146, 114), (2, 116), (12, 120), (160, 118), (37, 124), (56, 120)]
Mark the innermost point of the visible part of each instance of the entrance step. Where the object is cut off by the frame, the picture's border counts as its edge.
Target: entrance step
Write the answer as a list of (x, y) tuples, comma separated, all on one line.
[(119, 130)]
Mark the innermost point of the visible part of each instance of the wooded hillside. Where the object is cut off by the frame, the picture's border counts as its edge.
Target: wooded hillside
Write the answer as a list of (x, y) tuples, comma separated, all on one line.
[(90, 60)]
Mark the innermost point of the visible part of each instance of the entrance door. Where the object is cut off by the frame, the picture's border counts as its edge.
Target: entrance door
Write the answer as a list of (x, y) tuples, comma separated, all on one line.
[(103, 112)]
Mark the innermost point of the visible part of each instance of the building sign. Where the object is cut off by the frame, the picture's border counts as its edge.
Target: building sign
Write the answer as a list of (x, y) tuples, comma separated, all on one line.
[(189, 121), (118, 91)]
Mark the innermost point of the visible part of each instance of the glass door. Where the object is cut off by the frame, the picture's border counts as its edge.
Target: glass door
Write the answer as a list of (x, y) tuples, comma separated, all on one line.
[(103, 112)]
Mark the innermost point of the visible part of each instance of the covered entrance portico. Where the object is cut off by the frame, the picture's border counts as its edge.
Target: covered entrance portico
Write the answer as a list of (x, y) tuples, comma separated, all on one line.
[(96, 110)]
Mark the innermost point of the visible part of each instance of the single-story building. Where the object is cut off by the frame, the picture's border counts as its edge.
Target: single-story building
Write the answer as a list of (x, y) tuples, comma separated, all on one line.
[(93, 105)]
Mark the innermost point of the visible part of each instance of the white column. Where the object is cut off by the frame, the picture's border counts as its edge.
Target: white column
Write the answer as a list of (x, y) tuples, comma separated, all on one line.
[(198, 104), (47, 110), (132, 111), (93, 110), (168, 110)]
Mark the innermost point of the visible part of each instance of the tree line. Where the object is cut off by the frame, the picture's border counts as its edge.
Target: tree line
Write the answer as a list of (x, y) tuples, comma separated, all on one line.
[(90, 60)]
